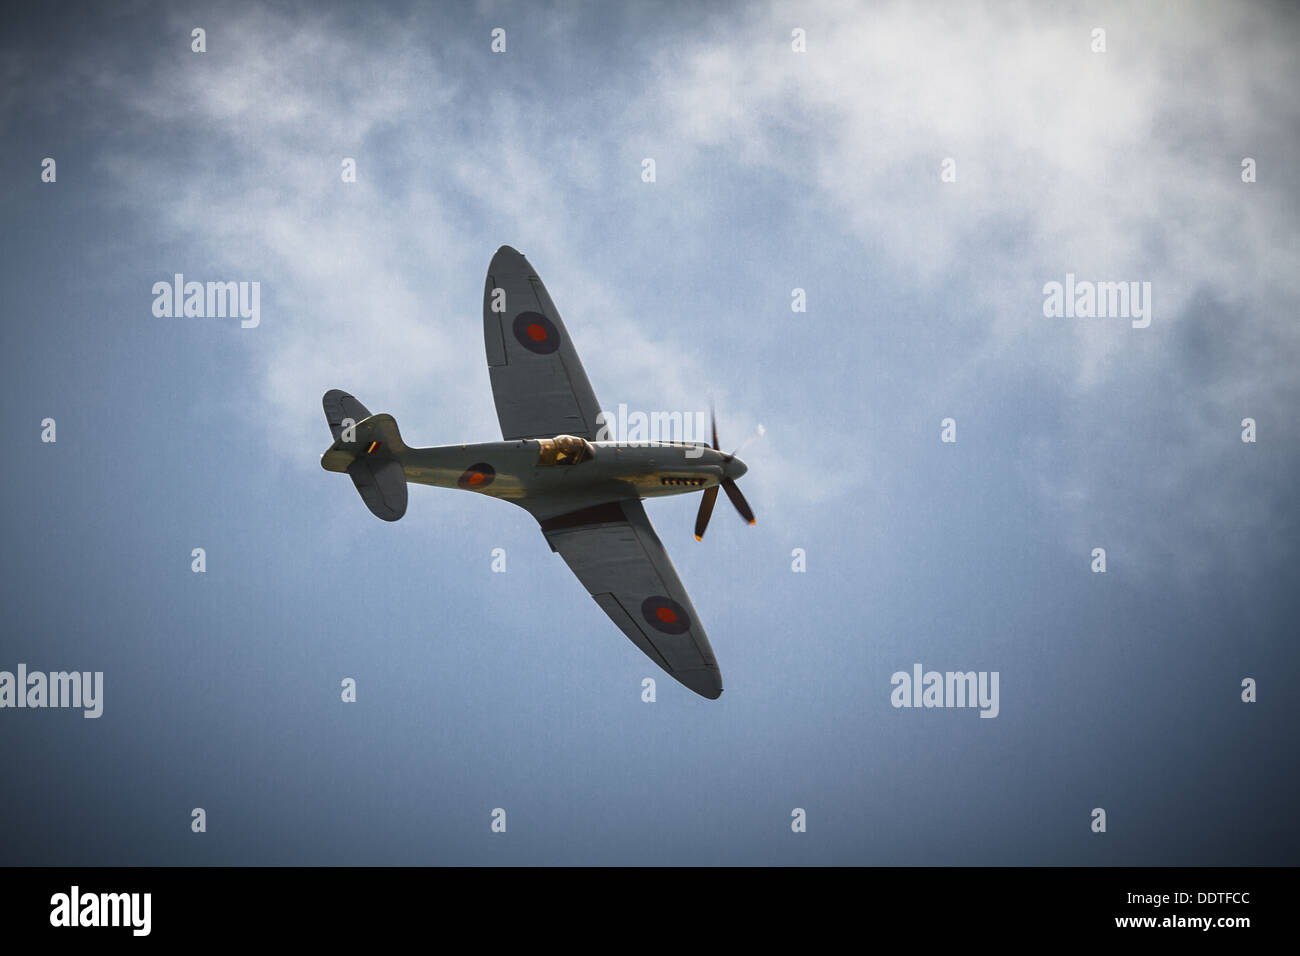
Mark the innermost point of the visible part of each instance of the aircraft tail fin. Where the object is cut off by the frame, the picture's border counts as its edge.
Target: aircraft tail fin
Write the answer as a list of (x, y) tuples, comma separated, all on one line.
[(368, 449)]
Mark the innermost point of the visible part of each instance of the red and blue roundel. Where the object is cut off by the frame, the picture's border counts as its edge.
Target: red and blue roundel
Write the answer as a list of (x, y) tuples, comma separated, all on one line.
[(477, 477), (536, 333), (665, 614)]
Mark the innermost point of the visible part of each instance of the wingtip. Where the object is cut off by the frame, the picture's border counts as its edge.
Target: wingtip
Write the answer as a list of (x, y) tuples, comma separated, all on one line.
[(707, 682)]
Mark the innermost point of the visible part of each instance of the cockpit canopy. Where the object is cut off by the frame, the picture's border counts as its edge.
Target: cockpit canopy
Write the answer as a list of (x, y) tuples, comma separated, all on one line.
[(564, 450)]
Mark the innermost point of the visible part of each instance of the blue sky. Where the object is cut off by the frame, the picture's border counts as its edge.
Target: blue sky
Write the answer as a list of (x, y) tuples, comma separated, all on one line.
[(775, 170)]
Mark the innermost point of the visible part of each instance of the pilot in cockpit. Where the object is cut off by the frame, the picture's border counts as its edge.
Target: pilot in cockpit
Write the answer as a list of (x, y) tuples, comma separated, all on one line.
[(564, 450)]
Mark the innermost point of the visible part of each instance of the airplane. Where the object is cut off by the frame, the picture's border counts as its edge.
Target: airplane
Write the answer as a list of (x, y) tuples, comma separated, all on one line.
[(585, 492)]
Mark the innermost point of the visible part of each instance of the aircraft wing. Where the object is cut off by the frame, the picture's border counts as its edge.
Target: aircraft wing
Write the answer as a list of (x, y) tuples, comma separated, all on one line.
[(614, 551), (538, 382)]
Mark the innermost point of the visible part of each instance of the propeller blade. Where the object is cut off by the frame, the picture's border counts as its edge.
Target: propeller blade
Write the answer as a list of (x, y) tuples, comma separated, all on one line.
[(706, 511), (713, 416), (738, 499)]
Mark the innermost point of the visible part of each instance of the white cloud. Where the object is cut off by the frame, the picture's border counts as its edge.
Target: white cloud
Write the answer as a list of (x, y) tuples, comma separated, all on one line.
[(1120, 165)]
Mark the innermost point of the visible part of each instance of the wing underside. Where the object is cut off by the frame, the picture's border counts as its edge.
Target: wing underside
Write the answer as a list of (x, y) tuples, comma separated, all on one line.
[(614, 551), (538, 382)]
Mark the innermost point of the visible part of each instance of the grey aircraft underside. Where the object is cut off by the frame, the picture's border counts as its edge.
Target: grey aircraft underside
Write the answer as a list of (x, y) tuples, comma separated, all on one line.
[(585, 493)]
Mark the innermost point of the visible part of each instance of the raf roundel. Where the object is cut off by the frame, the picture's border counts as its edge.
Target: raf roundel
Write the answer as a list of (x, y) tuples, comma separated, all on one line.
[(536, 333), (665, 614), (477, 477)]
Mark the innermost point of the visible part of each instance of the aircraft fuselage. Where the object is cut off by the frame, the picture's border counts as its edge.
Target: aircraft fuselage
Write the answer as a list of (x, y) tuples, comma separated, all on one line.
[(536, 475), (659, 469)]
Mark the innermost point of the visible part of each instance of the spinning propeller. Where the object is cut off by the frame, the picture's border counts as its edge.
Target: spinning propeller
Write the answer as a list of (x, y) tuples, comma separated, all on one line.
[(728, 485)]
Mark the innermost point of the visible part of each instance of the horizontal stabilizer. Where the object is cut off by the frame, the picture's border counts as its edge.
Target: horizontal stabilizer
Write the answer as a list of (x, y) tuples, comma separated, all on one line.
[(340, 406), (382, 485)]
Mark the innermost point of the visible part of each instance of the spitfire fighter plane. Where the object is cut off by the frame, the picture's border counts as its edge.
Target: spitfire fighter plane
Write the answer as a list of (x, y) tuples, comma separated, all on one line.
[(584, 492)]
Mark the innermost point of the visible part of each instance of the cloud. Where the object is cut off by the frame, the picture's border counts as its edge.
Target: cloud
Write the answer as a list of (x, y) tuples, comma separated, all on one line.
[(1121, 165)]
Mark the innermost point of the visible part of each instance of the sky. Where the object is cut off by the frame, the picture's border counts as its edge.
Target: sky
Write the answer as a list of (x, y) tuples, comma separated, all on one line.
[(920, 171)]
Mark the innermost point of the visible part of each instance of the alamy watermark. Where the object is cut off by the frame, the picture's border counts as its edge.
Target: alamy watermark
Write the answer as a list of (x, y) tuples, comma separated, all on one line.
[(1083, 299), (640, 428), (37, 689), (75, 908), (212, 300), (948, 689)]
